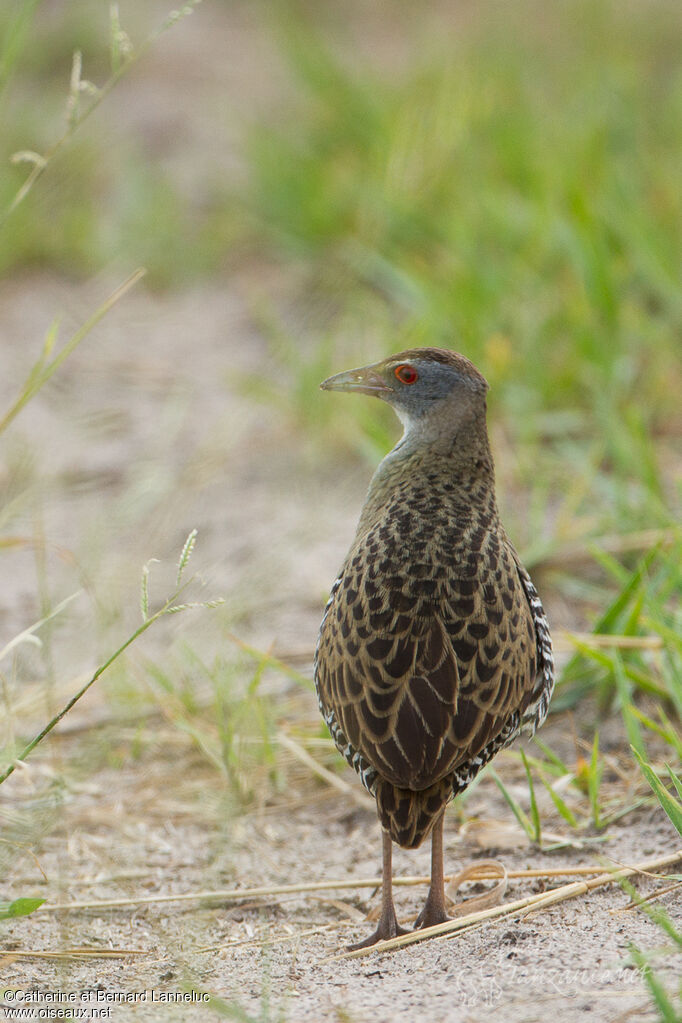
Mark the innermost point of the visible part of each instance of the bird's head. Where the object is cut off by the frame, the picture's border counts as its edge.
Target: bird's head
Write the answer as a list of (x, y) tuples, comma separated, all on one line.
[(422, 385)]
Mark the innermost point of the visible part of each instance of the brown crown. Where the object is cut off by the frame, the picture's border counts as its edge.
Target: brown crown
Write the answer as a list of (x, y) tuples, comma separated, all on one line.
[(458, 362)]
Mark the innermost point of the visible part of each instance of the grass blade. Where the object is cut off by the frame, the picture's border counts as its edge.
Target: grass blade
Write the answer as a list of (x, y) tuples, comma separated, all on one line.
[(20, 907), (561, 806), (593, 783), (37, 379), (625, 694), (513, 805), (534, 812), (672, 806), (666, 1010)]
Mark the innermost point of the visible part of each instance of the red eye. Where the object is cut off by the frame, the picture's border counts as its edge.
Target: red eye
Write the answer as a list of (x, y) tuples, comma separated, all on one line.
[(406, 374)]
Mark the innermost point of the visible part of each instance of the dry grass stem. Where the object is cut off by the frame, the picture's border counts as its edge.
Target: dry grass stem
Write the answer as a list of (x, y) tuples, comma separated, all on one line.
[(648, 898), (279, 939), (483, 873), (328, 776), (29, 852), (73, 953)]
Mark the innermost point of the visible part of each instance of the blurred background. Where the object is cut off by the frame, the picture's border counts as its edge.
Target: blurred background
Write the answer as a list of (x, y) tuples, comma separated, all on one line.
[(311, 186)]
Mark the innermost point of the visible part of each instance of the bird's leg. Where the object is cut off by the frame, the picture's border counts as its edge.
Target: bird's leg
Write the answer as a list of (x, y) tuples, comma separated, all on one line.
[(388, 924), (434, 908)]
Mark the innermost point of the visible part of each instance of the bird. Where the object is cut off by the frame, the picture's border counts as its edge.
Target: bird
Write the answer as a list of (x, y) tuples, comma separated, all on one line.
[(434, 652)]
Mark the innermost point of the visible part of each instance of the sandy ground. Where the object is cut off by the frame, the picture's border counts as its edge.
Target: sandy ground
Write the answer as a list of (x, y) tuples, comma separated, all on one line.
[(164, 826), (146, 434)]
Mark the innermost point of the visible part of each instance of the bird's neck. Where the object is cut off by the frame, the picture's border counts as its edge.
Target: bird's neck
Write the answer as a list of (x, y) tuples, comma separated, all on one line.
[(457, 464)]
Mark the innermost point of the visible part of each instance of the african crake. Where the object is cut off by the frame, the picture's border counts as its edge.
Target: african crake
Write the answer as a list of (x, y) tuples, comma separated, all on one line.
[(434, 651)]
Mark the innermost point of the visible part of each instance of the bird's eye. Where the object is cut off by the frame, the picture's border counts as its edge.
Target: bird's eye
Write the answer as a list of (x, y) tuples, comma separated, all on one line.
[(406, 374)]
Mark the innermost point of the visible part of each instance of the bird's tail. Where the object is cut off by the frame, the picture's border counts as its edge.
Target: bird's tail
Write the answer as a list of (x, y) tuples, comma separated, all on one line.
[(407, 815)]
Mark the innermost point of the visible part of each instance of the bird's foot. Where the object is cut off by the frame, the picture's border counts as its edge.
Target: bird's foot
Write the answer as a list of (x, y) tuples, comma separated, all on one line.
[(388, 928), (433, 913)]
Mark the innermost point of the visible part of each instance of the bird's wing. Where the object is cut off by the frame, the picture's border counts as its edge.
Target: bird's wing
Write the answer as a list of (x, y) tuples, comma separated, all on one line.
[(422, 671), (490, 626), (543, 683), (389, 679)]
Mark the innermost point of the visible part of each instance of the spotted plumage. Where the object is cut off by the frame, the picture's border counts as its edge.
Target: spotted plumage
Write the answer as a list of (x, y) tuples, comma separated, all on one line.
[(434, 651)]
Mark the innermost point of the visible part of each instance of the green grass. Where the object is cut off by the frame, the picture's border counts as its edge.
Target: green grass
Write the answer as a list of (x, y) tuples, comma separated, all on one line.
[(171, 605), (229, 721), (646, 604), (668, 1006), (104, 200), (19, 907), (667, 1003), (510, 195)]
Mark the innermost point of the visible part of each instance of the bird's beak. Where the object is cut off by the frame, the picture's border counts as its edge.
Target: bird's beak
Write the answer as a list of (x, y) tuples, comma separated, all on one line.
[(366, 380)]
